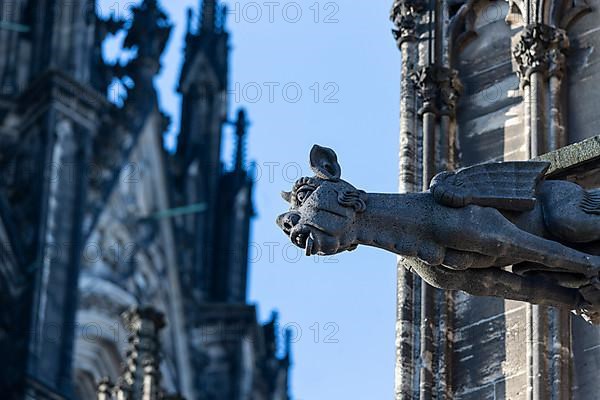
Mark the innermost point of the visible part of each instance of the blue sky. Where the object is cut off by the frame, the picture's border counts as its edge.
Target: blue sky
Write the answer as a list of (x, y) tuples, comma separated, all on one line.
[(314, 72)]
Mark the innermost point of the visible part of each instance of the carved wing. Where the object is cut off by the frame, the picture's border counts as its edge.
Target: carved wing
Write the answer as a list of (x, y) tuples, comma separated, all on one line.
[(591, 202), (503, 185)]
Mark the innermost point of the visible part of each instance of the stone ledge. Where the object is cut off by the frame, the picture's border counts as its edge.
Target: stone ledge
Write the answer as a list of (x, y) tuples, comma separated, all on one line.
[(579, 162)]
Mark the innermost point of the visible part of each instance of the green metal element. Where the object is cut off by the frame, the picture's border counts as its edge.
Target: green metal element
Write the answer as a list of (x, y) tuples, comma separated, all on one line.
[(13, 26), (174, 212)]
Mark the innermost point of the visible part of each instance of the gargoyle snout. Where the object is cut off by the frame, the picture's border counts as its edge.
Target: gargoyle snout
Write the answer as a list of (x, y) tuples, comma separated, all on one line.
[(287, 221)]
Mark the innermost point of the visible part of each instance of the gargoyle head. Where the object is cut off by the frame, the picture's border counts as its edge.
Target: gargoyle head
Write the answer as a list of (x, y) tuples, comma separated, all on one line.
[(323, 208)]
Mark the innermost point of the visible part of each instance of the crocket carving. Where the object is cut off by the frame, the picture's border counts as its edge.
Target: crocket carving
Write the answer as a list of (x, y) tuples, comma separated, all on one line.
[(497, 229)]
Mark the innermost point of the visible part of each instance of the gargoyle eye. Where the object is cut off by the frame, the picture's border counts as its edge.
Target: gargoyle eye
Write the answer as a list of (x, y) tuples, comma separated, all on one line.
[(303, 193)]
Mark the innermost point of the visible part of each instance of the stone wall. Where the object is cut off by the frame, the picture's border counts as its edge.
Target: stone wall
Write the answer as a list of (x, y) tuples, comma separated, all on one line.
[(489, 117), (584, 75), (526, 90)]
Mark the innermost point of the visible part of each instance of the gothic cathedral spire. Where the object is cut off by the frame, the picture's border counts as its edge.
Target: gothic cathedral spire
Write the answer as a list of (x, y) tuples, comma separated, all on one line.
[(208, 15), (241, 128)]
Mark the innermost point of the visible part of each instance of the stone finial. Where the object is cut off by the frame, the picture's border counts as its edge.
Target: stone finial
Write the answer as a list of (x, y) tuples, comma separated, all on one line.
[(141, 376), (139, 318), (149, 33), (208, 16), (241, 129), (151, 380), (540, 48), (141, 371), (105, 390)]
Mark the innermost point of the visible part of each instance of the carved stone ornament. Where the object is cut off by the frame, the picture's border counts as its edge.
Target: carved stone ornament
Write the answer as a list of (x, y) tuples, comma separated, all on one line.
[(405, 15), (439, 87), (141, 377), (496, 229), (541, 48)]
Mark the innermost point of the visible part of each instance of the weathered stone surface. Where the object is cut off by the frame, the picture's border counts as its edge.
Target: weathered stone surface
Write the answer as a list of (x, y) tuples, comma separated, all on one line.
[(496, 120), (583, 77), (540, 48), (586, 360), (489, 121), (464, 232), (579, 162)]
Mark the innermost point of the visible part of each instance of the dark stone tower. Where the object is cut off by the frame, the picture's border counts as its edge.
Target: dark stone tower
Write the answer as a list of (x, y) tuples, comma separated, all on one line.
[(198, 170), (169, 231), (214, 256), (53, 130), (215, 262), (57, 117), (234, 228)]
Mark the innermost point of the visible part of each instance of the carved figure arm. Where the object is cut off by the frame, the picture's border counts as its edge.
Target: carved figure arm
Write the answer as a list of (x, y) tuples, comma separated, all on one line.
[(497, 283)]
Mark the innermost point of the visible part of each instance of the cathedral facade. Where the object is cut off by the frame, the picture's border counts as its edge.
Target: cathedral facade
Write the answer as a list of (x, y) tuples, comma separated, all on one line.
[(97, 218), (495, 81)]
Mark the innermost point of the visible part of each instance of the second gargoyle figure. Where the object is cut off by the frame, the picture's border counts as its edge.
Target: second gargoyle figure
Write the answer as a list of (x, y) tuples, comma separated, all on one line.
[(490, 216)]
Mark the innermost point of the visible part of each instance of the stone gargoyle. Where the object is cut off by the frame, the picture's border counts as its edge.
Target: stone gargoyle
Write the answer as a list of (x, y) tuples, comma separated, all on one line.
[(496, 229)]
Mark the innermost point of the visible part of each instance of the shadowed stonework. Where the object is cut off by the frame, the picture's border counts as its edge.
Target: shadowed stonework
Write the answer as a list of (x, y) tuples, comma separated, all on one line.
[(530, 77), (97, 216)]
